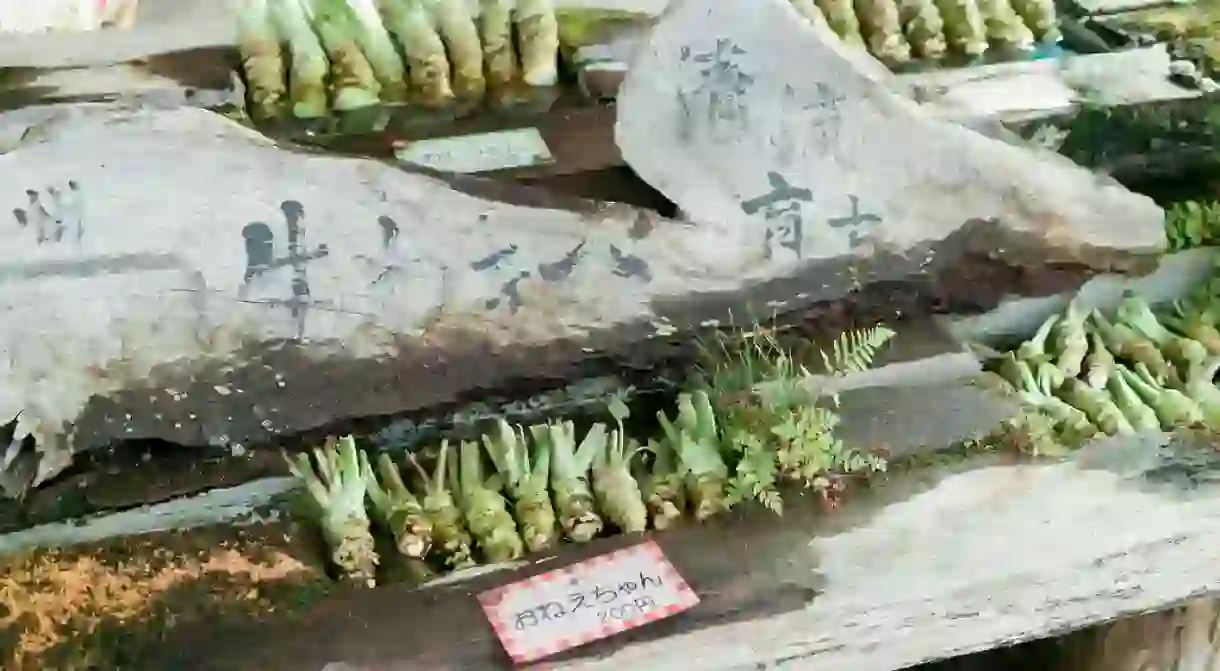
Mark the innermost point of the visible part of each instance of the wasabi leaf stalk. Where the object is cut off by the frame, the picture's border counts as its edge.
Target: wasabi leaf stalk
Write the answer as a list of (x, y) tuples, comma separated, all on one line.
[(570, 467), (449, 536), (353, 84), (258, 42), (614, 487), (485, 508), (308, 66)]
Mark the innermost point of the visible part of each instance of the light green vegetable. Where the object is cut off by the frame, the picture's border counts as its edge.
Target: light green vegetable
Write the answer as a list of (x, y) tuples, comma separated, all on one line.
[(309, 67), (1136, 313), (615, 488), (662, 486), (538, 42), (1142, 417), (696, 441), (570, 465), (1124, 341), (527, 479), (1201, 387), (841, 16), (1037, 391), (809, 10), (449, 535), (259, 46), (1098, 405), (1004, 26), (485, 508), (337, 490), (964, 26), (397, 507), (352, 82), (496, 31), (881, 24), (1071, 341), (1034, 349), (1172, 407), (1197, 323), (379, 49), (1039, 16), (924, 27), (1099, 364), (425, 28)]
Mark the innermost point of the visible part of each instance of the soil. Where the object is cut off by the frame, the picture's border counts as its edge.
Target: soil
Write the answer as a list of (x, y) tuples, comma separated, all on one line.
[(102, 606)]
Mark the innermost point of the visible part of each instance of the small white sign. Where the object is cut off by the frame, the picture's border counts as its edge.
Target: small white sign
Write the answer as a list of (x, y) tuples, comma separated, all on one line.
[(585, 602), (483, 152)]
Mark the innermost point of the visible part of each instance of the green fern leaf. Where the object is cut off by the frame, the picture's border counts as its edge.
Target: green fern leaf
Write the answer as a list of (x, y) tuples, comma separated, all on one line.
[(854, 351)]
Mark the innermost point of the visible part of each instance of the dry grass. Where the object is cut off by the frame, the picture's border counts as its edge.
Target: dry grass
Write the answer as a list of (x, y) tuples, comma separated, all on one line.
[(71, 609)]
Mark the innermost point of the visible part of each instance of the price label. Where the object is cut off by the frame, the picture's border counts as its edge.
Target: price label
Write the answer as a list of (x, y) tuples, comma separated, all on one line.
[(586, 601)]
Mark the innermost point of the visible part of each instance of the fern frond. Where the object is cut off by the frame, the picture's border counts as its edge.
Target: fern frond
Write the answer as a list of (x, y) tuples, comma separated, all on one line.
[(854, 350)]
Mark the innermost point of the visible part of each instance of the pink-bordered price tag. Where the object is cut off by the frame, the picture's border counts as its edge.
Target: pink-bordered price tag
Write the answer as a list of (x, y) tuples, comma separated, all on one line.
[(587, 601)]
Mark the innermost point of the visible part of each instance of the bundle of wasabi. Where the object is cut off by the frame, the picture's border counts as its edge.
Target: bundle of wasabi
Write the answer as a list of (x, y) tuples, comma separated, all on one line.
[(308, 67), (353, 84), (526, 474), (449, 537), (924, 27), (964, 26), (259, 46), (485, 508), (399, 511), (615, 488), (570, 465), (336, 489), (883, 27), (696, 441)]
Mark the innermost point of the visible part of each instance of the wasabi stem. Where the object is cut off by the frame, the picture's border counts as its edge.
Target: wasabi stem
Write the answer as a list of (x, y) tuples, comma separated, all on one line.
[(1142, 417), (396, 507), (308, 66), (1034, 349), (259, 46), (1137, 314), (1098, 405), (1199, 326), (496, 31), (353, 84), (570, 465), (379, 49), (1201, 387), (449, 535), (526, 479), (1071, 340), (696, 441), (1172, 407), (337, 489), (881, 23), (1099, 364), (1124, 341), (924, 27), (538, 42), (841, 16), (485, 508), (662, 486), (616, 490)]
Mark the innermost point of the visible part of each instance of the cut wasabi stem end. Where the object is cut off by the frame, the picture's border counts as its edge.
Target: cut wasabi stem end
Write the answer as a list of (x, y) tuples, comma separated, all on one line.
[(1123, 341), (570, 467), (337, 489), (1142, 417), (1172, 407), (449, 536), (614, 487), (379, 49), (662, 486), (526, 477), (1099, 364), (485, 508), (1071, 340)]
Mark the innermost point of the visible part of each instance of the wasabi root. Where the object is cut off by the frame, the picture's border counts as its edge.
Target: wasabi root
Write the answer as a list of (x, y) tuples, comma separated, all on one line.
[(352, 82), (258, 42), (485, 508), (336, 489), (924, 28), (526, 475), (570, 471), (308, 67), (449, 536), (882, 25), (616, 490)]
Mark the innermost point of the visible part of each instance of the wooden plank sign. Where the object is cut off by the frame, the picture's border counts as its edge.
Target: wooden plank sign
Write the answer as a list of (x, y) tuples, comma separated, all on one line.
[(585, 602)]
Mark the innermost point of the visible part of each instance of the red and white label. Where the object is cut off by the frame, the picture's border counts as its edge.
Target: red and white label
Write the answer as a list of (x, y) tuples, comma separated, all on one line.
[(587, 601)]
